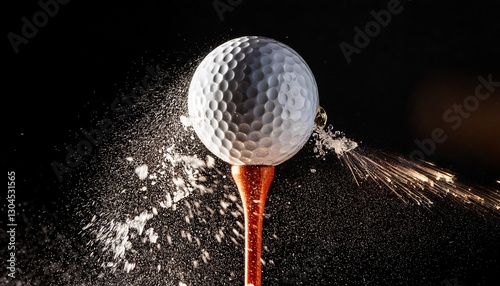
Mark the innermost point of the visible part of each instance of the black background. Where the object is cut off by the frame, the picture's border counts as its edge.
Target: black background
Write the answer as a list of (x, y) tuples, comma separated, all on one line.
[(77, 64)]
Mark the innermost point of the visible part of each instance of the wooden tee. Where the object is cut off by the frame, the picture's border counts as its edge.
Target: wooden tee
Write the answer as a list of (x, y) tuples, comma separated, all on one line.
[(253, 184)]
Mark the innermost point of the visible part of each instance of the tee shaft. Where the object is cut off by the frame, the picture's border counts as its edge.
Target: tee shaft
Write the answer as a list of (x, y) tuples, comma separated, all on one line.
[(253, 184)]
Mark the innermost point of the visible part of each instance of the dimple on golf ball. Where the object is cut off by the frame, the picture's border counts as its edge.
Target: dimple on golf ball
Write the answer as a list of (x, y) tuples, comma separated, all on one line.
[(253, 101)]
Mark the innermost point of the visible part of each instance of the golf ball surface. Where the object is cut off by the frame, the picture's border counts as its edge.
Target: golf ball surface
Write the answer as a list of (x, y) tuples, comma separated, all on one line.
[(252, 101)]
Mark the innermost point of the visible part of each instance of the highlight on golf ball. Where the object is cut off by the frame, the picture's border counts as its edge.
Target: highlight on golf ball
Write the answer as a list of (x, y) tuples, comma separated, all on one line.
[(253, 101)]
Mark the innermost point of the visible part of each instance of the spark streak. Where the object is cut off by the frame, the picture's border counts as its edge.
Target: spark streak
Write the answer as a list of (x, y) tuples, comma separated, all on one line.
[(410, 180)]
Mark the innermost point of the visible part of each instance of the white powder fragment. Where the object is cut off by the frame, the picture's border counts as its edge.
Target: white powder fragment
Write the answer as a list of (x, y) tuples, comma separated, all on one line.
[(328, 139), (210, 210), (153, 236), (140, 221), (169, 239), (142, 171), (240, 208), (168, 202), (313, 171), (210, 161), (240, 225), (179, 195), (224, 204), (182, 175), (221, 232), (129, 266), (120, 251), (182, 284), (89, 224), (179, 182), (205, 256), (186, 121)]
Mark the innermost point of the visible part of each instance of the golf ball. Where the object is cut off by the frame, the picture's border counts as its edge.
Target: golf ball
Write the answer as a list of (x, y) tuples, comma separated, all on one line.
[(253, 101)]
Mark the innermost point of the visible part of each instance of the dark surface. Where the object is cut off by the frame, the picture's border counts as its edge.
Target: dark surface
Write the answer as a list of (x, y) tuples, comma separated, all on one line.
[(88, 54)]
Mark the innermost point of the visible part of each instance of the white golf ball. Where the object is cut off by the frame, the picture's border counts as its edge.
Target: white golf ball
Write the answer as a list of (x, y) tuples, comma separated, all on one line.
[(252, 101)]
